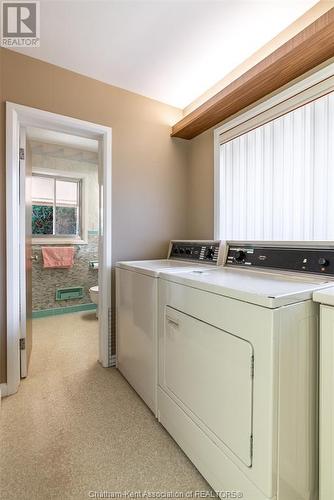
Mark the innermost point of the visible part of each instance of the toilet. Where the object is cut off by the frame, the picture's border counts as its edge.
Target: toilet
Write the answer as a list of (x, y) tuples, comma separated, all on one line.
[(94, 295)]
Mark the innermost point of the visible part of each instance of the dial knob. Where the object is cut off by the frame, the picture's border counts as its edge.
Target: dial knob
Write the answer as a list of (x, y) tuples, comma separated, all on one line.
[(239, 256), (209, 253), (323, 262)]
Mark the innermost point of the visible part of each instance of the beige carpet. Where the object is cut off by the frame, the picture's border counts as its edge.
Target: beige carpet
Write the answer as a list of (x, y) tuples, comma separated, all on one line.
[(75, 427)]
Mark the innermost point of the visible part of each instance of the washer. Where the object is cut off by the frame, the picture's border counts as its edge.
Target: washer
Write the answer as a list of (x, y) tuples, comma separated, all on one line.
[(137, 309), (238, 364)]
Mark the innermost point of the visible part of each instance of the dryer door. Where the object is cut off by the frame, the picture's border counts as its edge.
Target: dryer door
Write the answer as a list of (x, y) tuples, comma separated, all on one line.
[(209, 372)]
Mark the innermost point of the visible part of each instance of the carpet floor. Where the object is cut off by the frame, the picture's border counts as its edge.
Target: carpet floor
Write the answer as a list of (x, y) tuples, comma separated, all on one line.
[(76, 430)]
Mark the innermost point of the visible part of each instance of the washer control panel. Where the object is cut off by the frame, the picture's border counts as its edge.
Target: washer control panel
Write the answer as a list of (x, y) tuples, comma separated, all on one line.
[(308, 260), (209, 252)]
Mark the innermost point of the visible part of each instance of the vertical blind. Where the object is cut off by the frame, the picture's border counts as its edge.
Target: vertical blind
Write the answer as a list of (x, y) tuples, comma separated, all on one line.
[(277, 181)]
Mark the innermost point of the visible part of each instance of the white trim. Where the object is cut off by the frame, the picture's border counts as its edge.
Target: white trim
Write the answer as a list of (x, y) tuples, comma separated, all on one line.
[(292, 97), (17, 116), (12, 249), (22, 215), (105, 247), (58, 241)]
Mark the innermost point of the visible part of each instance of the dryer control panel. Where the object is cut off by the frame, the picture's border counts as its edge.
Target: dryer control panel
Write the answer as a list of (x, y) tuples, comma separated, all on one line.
[(208, 252), (316, 260)]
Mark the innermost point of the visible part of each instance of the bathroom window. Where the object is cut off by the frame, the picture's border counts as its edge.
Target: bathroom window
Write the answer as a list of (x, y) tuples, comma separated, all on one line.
[(57, 209)]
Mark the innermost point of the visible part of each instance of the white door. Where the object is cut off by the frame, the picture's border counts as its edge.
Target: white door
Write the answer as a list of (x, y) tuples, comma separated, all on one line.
[(210, 373)]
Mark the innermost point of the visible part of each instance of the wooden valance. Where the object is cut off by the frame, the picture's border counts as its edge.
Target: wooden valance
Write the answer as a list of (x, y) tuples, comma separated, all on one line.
[(306, 50)]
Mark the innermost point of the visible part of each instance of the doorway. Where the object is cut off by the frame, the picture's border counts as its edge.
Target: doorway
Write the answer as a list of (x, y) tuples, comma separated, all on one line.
[(73, 191)]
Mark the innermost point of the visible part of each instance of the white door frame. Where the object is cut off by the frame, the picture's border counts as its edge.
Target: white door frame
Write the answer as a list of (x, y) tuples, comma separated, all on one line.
[(22, 116), (22, 218)]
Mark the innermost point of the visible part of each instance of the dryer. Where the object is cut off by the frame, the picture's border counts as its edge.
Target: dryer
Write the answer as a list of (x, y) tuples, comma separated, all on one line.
[(137, 309), (238, 365)]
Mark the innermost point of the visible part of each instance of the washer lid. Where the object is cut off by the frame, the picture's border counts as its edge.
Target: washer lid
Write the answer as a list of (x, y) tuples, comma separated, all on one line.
[(155, 267), (264, 289), (325, 296)]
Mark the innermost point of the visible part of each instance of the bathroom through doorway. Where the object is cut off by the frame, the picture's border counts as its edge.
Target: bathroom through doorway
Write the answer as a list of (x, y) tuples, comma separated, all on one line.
[(59, 260)]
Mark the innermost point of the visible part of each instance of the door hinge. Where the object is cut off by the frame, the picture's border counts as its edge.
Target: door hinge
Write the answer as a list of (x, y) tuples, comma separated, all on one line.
[(252, 367), (251, 446), (21, 154), (22, 344)]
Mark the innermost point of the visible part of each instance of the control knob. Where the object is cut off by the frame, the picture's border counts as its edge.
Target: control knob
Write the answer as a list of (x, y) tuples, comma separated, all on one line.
[(239, 256), (209, 253), (323, 262)]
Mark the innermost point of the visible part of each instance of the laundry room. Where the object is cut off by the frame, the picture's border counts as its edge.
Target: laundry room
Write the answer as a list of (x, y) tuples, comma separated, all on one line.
[(167, 249)]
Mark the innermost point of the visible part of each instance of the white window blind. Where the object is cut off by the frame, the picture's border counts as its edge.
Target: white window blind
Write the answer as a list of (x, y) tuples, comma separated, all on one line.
[(276, 182)]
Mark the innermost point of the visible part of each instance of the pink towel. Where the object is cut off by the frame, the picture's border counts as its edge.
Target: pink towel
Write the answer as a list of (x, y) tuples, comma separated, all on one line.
[(58, 256)]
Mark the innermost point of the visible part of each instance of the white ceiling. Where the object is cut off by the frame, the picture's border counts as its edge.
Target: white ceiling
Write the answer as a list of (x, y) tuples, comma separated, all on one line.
[(51, 137), (171, 50)]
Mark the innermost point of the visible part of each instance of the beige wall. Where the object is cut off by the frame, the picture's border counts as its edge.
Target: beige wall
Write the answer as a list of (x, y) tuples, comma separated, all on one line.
[(200, 187), (149, 168)]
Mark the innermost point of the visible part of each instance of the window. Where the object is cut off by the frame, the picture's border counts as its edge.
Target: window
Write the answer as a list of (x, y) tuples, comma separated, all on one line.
[(276, 181), (56, 208)]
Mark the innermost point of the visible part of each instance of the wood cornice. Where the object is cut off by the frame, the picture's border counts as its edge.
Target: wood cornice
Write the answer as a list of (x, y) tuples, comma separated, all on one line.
[(309, 48)]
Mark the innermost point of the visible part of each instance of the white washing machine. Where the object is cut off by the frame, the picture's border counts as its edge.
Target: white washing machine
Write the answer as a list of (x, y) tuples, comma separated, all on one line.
[(137, 309), (238, 365)]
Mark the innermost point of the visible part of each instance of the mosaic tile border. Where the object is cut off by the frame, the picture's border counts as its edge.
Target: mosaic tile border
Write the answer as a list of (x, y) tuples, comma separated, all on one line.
[(63, 310)]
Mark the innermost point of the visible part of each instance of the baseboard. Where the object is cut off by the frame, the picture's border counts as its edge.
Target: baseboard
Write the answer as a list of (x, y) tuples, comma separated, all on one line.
[(3, 391), (63, 310)]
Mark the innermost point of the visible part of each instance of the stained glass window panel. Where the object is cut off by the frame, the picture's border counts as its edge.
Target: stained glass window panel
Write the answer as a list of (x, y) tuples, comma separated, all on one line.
[(42, 219)]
